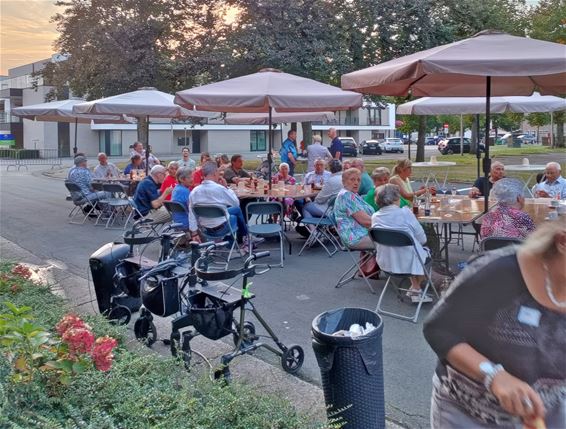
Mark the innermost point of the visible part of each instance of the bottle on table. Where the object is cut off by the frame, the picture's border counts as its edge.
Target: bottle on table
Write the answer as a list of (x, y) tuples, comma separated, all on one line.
[(427, 204), (415, 205)]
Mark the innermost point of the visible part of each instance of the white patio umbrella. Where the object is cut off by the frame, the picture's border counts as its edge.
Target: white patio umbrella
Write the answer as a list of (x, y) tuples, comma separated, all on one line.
[(266, 91), (145, 103), (278, 118), (62, 111), (489, 63)]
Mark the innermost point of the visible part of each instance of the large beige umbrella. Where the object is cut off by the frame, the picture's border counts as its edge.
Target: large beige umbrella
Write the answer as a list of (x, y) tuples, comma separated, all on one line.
[(490, 63), (278, 118), (265, 91)]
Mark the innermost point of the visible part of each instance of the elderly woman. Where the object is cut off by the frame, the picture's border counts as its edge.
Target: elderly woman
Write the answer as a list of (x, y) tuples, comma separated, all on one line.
[(181, 194), (366, 184), (330, 189), (380, 176), (399, 259), (507, 219), (171, 179), (283, 175), (401, 177), (499, 337), (352, 213)]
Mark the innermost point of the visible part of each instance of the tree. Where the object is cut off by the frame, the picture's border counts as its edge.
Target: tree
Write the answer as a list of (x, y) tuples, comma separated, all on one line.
[(538, 120)]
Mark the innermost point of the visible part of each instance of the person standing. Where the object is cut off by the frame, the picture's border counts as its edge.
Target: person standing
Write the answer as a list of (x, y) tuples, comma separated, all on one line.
[(288, 151), (185, 161), (316, 151), (336, 146)]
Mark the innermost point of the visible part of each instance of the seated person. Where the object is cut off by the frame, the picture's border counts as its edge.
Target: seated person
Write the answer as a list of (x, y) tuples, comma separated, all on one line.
[(181, 194), (105, 169), (223, 162), (283, 175), (380, 176), (318, 176), (80, 175), (553, 185), (185, 161), (171, 179), (352, 213), (214, 191), (235, 172), (136, 163), (400, 259), (330, 189), (507, 219), (402, 173), (197, 175), (366, 184), (152, 159), (497, 172), (147, 199)]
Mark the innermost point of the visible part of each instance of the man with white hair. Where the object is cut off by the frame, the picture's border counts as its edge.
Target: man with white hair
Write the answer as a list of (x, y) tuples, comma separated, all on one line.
[(318, 176), (336, 146), (147, 198), (105, 169), (497, 172), (81, 176), (553, 185), (316, 151)]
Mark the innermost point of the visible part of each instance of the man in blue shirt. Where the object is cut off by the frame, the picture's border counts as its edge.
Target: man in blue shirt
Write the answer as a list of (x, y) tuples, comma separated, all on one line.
[(336, 147), (288, 151), (181, 194), (553, 185), (147, 199)]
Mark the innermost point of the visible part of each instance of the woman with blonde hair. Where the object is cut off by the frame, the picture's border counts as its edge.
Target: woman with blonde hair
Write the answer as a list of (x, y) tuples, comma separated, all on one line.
[(499, 337), (401, 177)]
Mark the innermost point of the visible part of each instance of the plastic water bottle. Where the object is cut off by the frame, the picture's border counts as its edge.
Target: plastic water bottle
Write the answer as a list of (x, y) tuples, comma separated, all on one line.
[(454, 191), (427, 204)]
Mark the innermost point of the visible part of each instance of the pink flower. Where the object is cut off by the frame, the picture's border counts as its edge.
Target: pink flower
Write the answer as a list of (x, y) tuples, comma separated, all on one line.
[(22, 271), (102, 353), (79, 340), (69, 321)]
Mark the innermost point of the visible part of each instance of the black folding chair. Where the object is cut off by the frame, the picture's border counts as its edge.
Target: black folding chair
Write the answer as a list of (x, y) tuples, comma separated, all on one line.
[(492, 243), (81, 204)]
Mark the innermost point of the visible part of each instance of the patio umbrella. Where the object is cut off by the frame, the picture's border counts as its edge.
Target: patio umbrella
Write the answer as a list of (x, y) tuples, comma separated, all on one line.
[(489, 63), (62, 111), (145, 103), (278, 118), (266, 91)]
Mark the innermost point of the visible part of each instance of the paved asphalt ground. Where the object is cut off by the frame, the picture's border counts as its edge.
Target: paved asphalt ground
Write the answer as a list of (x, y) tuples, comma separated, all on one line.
[(34, 216)]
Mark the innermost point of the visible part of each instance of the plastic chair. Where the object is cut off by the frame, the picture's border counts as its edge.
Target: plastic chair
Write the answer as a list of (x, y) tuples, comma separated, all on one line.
[(398, 238), (175, 207), (204, 211), (117, 203), (322, 230), (81, 203), (492, 243), (266, 230)]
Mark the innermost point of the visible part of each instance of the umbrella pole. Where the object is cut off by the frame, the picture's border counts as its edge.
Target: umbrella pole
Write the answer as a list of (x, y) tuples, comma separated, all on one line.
[(551, 130), (147, 147), (478, 151), (486, 159), (75, 146), (270, 147)]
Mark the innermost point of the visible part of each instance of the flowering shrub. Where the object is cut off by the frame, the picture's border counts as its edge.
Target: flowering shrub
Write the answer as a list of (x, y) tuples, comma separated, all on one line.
[(102, 353)]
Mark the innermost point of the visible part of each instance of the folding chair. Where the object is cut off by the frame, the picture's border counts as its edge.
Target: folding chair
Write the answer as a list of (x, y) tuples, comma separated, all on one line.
[(117, 203), (398, 238), (263, 229), (175, 207), (492, 243), (322, 230), (204, 211), (356, 267), (81, 203)]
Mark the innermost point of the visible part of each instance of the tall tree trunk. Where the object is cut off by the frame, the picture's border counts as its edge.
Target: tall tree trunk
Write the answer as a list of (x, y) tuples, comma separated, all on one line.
[(421, 139), (560, 132), (307, 133), (143, 130)]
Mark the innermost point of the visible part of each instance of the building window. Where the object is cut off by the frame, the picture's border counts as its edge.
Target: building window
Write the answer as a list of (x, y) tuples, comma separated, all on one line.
[(110, 142), (257, 141)]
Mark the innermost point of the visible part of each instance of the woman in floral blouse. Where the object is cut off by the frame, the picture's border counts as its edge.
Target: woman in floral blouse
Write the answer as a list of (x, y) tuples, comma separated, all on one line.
[(352, 213), (507, 219)]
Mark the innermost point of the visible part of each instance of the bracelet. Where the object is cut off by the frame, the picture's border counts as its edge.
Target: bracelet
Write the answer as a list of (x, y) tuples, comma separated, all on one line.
[(488, 380)]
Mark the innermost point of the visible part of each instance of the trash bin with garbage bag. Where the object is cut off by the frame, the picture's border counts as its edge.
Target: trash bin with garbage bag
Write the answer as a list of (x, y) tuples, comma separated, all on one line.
[(347, 345)]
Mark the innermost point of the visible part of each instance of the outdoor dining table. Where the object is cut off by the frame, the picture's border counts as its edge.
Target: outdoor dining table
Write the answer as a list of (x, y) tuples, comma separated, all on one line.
[(539, 209), (289, 191), (127, 183), (532, 169), (431, 168), (446, 211)]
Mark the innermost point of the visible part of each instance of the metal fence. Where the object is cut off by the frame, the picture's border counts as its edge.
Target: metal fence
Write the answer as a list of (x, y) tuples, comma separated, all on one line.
[(19, 158)]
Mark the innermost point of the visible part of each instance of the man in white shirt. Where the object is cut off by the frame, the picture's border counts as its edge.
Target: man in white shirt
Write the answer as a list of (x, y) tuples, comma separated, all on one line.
[(319, 176), (213, 191), (105, 169), (553, 185), (316, 151)]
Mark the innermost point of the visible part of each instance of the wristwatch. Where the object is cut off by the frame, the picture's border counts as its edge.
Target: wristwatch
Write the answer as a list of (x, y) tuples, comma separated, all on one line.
[(489, 371)]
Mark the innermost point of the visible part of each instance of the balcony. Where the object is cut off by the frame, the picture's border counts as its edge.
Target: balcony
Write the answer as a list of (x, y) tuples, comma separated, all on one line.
[(7, 118)]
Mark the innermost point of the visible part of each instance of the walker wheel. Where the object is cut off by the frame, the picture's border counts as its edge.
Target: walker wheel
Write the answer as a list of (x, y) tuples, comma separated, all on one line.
[(145, 331), (292, 359), (119, 315), (186, 352), (174, 343), (248, 334)]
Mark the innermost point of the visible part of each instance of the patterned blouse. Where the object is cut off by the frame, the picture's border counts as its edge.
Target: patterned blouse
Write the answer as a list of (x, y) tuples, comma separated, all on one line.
[(289, 180), (506, 221), (347, 203)]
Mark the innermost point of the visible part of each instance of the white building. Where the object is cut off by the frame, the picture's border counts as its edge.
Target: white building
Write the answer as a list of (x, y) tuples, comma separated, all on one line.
[(19, 89)]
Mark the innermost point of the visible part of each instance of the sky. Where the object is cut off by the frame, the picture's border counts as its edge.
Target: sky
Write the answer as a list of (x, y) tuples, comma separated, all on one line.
[(26, 35)]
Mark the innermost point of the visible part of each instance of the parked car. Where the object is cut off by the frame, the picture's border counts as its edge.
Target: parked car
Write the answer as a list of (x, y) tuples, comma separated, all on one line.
[(350, 148), (368, 147), (392, 145), (452, 145), (349, 140), (528, 139), (431, 141)]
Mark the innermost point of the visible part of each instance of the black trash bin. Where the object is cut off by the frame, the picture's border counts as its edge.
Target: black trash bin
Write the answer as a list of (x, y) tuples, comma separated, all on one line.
[(351, 367)]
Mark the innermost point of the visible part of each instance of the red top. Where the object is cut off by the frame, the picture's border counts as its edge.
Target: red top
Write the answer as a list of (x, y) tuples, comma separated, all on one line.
[(197, 177), (169, 181)]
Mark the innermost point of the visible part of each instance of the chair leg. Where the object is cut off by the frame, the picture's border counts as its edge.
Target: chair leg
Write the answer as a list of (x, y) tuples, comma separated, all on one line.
[(350, 273)]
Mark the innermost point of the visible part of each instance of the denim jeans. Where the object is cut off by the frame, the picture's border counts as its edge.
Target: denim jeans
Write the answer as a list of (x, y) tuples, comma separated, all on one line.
[(237, 222)]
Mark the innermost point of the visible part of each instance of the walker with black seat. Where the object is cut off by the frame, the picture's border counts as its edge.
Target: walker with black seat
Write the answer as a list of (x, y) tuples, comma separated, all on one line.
[(212, 314)]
